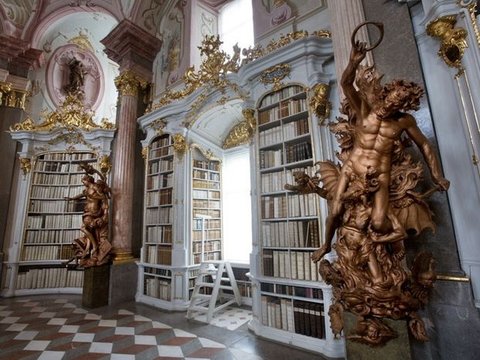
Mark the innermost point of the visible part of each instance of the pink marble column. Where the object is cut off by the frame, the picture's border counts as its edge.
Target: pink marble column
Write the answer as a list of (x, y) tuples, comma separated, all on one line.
[(124, 155)]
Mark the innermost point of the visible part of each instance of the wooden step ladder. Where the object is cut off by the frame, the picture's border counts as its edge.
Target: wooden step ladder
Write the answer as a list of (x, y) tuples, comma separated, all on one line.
[(211, 278)]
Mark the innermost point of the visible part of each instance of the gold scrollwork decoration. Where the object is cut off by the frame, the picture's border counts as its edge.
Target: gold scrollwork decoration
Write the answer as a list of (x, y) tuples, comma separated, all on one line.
[(274, 75), (145, 153), (5, 88), (242, 132), (71, 115), (319, 103), (25, 165), (208, 154), (180, 145), (453, 40), (104, 165), (128, 83)]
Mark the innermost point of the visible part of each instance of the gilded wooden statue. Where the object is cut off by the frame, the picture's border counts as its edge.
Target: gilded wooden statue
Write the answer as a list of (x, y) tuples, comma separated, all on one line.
[(93, 248), (373, 205)]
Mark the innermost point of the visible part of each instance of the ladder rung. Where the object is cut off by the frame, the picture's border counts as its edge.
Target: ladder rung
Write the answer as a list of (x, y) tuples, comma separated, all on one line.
[(200, 284), (201, 296), (199, 308)]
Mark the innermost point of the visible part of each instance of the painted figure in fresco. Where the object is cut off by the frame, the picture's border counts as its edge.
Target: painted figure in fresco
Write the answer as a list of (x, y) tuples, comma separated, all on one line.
[(379, 120), (93, 248), (373, 204)]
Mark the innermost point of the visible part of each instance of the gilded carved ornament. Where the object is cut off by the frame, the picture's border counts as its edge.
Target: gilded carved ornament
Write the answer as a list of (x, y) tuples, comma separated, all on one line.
[(208, 154), (180, 145), (71, 115), (217, 63), (128, 83), (453, 40), (12, 97), (82, 41), (25, 165), (104, 164), (319, 103), (274, 75), (158, 125), (145, 153), (242, 132)]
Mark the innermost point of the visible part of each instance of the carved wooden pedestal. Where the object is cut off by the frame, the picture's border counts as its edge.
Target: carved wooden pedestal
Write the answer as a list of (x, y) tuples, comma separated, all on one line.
[(95, 286), (395, 349)]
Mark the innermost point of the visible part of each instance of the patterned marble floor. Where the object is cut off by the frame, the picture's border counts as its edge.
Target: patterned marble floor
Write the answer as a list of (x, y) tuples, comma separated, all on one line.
[(52, 327)]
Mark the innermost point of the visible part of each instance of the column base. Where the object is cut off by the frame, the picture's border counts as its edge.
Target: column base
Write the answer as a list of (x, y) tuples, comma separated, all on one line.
[(123, 281), (395, 349), (95, 286)]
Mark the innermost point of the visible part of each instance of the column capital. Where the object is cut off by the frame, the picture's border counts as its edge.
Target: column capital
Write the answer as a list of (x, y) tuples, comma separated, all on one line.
[(128, 83), (132, 47)]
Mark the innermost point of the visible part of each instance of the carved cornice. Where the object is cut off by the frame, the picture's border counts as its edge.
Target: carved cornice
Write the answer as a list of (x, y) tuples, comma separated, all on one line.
[(19, 52), (71, 115), (242, 132), (128, 83), (453, 40)]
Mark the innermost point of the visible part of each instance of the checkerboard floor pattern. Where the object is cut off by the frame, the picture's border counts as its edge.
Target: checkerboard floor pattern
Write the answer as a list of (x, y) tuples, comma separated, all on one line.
[(32, 328), (230, 318)]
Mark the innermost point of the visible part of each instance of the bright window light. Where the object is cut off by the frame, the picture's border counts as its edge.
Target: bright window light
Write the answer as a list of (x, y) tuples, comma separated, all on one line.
[(235, 25), (237, 213)]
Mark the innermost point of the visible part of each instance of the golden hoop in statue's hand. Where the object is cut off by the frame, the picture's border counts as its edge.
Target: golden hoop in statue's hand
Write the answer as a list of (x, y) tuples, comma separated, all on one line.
[(379, 26)]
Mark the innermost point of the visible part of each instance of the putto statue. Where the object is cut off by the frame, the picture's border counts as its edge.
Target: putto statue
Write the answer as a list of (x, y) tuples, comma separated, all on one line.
[(93, 248), (373, 204)]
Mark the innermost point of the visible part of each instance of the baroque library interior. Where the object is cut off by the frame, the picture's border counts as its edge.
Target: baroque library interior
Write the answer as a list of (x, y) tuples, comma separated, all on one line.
[(240, 179)]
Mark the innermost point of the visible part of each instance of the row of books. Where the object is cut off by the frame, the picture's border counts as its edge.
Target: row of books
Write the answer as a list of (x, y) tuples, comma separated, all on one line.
[(300, 317), (209, 224), (286, 132), (208, 165), (208, 245), (206, 175), (289, 290), (162, 141), (53, 206), (158, 255), (209, 235), (292, 234), (158, 216), (275, 181), (290, 265), (55, 192), (285, 109), (76, 156), (157, 271), (155, 182), (207, 212), (298, 152), (52, 166), (204, 194), (285, 93), (291, 205), (271, 158), (157, 288), (49, 278), (205, 184), (46, 221), (215, 255), (51, 236), (162, 197), (160, 152), (57, 179), (205, 204), (161, 234), (47, 252), (162, 165)]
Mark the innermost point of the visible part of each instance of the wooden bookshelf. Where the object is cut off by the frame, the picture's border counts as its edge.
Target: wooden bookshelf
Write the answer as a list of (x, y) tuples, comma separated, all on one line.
[(157, 245), (289, 228), (206, 209)]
